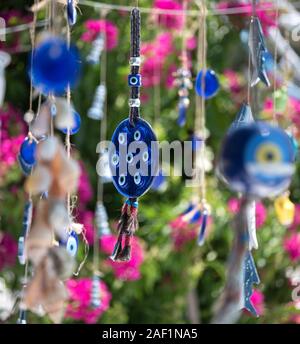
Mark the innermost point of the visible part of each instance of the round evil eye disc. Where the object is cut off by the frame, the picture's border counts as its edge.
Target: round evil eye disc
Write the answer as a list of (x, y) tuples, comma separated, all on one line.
[(138, 158), (257, 160), (72, 244), (269, 159)]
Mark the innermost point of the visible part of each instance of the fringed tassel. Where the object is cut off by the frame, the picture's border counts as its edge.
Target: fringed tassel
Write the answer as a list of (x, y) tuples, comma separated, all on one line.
[(202, 233), (128, 224)]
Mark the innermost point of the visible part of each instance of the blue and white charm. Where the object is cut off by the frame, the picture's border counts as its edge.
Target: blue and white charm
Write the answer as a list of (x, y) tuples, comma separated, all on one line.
[(133, 158)]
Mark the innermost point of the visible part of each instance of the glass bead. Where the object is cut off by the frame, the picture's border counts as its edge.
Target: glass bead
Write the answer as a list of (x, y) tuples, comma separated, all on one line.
[(211, 84)]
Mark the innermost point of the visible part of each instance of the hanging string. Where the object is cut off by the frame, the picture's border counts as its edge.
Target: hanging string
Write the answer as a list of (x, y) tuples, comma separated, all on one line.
[(275, 63), (192, 13), (103, 131), (200, 124), (32, 31), (157, 96)]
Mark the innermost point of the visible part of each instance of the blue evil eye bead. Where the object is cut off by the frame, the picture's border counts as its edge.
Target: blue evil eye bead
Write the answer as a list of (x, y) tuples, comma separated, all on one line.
[(71, 12), (257, 160), (55, 66), (28, 151), (134, 80), (133, 158), (211, 84), (76, 126), (72, 244)]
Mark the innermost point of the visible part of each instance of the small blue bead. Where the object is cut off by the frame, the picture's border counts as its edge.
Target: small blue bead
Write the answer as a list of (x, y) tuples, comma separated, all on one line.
[(76, 127), (134, 80), (211, 84), (28, 151)]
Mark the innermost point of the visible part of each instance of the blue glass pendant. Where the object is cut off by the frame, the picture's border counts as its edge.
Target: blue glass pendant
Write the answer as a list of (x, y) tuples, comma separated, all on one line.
[(76, 126), (71, 12), (257, 160), (244, 117), (72, 244), (211, 84), (28, 151), (250, 277), (133, 158), (55, 66)]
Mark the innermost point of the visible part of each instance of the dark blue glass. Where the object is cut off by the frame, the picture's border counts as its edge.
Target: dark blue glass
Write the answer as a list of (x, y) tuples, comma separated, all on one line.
[(257, 160), (55, 66), (26, 168), (71, 12), (76, 127), (28, 151), (133, 158), (211, 84)]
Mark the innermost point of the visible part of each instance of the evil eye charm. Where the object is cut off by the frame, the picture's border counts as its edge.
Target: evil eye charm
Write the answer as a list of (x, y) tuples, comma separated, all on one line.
[(76, 124), (72, 244), (55, 66), (257, 160), (71, 12), (133, 158), (28, 151), (134, 80), (208, 87)]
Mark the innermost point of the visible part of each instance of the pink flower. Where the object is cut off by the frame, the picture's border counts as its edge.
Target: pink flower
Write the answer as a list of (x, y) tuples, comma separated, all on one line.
[(155, 54), (8, 250), (94, 27), (233, 81), (170, 77), (260, 211), (169, 21), (191, 43), (292, 246), (183, 231), (79, 307), (85, 191), (257, 298), (128, 271)]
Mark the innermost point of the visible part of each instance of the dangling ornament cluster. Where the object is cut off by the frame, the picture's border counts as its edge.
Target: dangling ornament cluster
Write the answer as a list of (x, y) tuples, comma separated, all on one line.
[(132, 173)]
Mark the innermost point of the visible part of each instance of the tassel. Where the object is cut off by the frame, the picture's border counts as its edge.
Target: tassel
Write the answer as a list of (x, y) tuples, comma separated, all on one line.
[(128, 224), (203, 227)]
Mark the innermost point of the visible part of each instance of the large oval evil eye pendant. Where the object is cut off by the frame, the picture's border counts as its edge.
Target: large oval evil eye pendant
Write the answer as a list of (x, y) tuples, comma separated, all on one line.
[(133, 157)]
